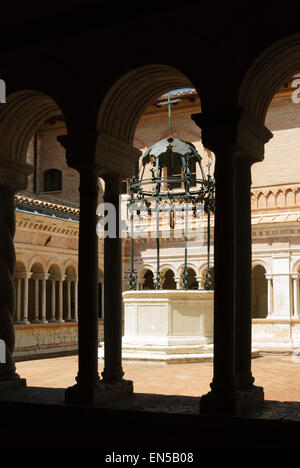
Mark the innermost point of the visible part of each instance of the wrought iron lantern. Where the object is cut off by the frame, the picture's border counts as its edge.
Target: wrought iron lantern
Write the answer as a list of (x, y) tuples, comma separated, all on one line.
[(168, 172)]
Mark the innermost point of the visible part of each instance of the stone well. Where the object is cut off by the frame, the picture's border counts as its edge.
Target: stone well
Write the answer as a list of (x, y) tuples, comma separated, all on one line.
[(168, 325)]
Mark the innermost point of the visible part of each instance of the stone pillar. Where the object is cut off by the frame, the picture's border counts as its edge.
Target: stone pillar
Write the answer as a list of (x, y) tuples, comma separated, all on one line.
[(43, 315), (76, 300), (270, 295), (177, 280), (13, 176), (243, 270), (53, 299), (36, 298), (84, 150), (282, 290), (60, 299), (87, 387), (231, 135), (69, 318), (25, 306), (295, 278), (113, 372), (18, 294)]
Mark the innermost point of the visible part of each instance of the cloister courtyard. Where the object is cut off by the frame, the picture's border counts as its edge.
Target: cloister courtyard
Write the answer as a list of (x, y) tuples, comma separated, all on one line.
[(278, 374)]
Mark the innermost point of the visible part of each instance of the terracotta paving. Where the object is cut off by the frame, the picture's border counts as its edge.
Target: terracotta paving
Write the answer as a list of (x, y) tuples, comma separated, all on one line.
[(278, 374)]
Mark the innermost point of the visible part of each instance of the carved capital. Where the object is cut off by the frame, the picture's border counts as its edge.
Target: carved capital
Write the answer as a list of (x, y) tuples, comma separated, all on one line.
[(113, 155), (234, 128), (14, 174), (80, 148)]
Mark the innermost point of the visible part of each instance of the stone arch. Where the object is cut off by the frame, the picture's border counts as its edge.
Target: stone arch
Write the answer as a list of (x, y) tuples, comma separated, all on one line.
[(148, 277), (271, 199), (296, 266), (39, 260), (22, 114), (259, 286), (70, 266), (130, 95), (263, 263), (290, 197), (264, 77), (261, 201), (280, 199), (20, 267), (168, 281)]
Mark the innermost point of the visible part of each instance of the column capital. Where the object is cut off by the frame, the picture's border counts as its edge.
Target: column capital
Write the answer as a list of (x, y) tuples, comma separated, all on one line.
[(235, 128), (14, 174), (269, 276), (116, 155), (80, 148), (295, 276)]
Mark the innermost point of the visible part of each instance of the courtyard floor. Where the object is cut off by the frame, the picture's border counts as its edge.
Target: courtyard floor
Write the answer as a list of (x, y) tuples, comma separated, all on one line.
[(278, 374)]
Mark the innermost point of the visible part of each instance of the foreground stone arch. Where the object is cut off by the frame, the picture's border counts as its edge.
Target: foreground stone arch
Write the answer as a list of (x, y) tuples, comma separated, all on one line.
[(270, 69)]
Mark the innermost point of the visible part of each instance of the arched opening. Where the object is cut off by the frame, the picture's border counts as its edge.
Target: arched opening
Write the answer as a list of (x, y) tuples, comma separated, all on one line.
[(52, 180), (148, 280), (259, 292), (192, 279), (168, 280)]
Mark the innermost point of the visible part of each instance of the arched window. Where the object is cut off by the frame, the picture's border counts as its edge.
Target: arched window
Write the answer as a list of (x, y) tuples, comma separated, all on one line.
[(148, 283), (169, 282), (53, 180), (259, 292), (192, 281)]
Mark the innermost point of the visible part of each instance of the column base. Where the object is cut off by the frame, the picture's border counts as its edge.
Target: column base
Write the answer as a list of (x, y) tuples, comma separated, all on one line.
[(55, 321), (233, 404), (12, 384), (98, 394), (38, 322), (22, 322)]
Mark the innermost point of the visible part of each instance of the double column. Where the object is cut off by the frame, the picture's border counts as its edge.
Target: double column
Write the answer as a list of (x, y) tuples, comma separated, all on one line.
[(237, 141), (89, 389)]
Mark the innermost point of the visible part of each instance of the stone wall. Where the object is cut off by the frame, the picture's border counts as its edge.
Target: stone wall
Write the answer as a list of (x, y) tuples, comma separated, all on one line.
[(41, 340)]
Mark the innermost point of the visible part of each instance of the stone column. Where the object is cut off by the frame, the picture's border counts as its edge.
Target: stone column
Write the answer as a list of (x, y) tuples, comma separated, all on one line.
[(282, 288), (37, 277), (87, 387), (295, 278), (113, 372), (86, 151), (231, 134), (270, 295), (18, 294), (177, 280), (53, 299), (25, 306), (13, 177), (243, 257), (43, 315), (60, 299), (76, 300), (69, 318)]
